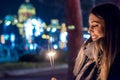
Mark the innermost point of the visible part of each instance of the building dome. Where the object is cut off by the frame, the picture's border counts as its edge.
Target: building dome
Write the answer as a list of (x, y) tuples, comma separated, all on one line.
[(26, 10)]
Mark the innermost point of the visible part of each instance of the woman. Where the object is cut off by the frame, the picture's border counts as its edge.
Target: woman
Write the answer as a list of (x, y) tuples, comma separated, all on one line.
[(99, 57)]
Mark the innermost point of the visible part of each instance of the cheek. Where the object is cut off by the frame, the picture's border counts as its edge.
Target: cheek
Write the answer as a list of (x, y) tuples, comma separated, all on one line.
[(99, 33)]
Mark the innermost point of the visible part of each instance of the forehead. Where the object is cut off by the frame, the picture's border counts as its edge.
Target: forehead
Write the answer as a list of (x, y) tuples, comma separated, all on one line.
[(95, 19)]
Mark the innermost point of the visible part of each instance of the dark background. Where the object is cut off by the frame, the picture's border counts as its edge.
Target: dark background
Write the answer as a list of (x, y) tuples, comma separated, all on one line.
[(45, 9), (48, 9)]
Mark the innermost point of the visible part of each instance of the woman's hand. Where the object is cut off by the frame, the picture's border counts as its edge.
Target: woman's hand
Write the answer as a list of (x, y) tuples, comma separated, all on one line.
[(53, 78)]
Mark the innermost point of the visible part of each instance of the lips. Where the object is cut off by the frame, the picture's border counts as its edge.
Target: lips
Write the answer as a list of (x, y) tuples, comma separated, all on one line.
[(94, 36)]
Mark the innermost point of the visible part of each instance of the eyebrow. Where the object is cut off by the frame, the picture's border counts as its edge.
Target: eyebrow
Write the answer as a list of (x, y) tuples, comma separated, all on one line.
[(96, 21)]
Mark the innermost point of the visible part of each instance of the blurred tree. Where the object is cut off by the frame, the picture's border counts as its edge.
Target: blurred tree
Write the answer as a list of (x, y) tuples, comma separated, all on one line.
[(75, 36)]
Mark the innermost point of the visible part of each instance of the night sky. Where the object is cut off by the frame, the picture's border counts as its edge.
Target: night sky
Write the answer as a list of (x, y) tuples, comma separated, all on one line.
[(45, 9), (9, 7)]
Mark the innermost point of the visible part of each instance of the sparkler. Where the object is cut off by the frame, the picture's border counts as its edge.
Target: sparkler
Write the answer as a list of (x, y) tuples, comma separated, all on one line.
[(51, 55)]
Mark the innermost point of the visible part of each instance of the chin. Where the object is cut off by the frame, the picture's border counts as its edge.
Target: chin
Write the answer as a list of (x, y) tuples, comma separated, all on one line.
[(94, 39)]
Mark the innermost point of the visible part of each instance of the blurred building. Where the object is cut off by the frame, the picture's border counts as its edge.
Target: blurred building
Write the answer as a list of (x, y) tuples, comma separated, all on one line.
[(27, 33), (25, 11)]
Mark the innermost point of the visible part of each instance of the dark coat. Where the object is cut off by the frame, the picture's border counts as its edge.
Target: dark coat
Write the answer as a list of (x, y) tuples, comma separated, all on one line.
[(114, 73)]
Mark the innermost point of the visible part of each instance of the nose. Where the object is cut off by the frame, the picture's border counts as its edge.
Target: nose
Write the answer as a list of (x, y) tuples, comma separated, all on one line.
[(90, 29)]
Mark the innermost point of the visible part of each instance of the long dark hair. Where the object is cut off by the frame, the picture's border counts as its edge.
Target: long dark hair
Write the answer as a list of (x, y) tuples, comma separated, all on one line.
[(111, 16)]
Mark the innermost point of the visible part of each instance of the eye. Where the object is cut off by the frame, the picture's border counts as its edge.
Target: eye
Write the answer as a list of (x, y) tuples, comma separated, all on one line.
[(94, 26)]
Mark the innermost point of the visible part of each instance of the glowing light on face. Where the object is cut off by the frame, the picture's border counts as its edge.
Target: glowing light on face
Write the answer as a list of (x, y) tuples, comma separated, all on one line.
[(96, 27)]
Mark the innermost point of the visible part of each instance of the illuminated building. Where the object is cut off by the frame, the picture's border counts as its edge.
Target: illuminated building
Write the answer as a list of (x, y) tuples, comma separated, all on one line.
[(25, 11), (63, 36)]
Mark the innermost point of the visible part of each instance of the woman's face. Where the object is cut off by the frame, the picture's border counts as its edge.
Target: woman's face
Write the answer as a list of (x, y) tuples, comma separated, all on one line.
[(96, 27)]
